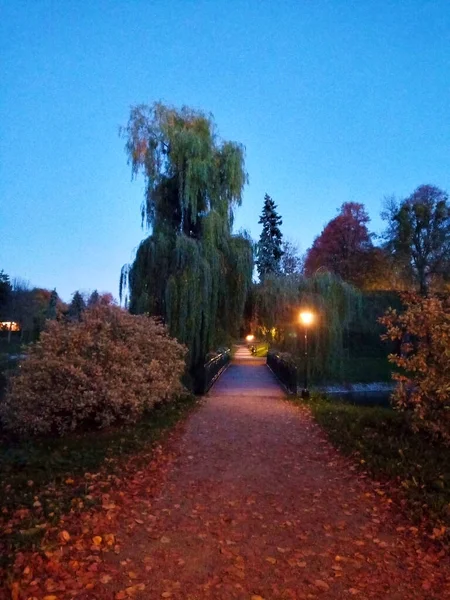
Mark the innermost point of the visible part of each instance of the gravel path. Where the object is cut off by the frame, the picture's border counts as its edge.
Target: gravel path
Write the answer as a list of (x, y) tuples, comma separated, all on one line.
[(258, 504)]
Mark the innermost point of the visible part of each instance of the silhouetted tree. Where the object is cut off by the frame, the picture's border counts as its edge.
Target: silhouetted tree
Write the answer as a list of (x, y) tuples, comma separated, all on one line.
[(76, 307)]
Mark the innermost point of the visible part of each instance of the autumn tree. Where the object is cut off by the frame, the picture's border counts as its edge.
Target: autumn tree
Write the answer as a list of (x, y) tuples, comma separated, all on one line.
[(191, 270), (269, 248), (422, 331), (344, 246), (418, 235)]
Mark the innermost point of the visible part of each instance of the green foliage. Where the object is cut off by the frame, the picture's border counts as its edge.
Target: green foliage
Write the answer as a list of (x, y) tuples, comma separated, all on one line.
[(277, 302), (269, 249), (108, 367), (383, 443), (418, 235), (423, 383), (191, 270)]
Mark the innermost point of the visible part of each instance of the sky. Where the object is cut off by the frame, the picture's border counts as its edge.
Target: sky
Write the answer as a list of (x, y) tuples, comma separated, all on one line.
[(334, 101)]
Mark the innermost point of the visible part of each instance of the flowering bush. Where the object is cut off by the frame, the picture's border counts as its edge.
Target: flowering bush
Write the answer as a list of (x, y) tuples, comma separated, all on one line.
[(110, 366), (423, 389)]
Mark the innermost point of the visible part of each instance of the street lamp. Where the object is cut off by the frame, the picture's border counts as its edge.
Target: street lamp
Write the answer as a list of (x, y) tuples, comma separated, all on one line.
[(306, 318)]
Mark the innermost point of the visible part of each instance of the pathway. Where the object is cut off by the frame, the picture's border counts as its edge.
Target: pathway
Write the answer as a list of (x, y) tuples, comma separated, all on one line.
[(257, 504)]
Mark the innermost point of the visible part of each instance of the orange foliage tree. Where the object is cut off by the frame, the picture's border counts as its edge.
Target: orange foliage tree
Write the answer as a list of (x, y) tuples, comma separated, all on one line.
[(423, 389), (108, 367)]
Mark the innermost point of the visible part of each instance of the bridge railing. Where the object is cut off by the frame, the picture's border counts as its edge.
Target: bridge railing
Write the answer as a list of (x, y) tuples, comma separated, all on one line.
[(285, 370), (212, 370)]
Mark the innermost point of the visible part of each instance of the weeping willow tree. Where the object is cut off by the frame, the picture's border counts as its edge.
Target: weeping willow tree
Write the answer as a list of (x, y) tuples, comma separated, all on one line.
[(335, 303), (191, 270)]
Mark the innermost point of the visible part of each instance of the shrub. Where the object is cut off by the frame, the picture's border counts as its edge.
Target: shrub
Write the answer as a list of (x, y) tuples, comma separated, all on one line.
[(423, 389), (109, 367)]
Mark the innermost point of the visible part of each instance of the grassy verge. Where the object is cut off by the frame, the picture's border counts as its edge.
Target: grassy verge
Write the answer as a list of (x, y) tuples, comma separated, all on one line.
[(382, 442), (42, 479), (367, 369), (261, 349)]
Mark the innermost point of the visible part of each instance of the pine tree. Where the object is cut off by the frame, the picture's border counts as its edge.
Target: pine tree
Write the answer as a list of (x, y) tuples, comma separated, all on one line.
[(52, 303), (269, 248), (93, 299), (77, 306)]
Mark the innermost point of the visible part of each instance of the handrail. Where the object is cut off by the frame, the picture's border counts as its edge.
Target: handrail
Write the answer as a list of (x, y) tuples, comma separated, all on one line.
[(211, 371), (284, 370)]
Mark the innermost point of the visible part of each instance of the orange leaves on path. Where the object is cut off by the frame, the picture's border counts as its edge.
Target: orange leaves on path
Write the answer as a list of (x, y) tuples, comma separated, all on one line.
[(265, 509)]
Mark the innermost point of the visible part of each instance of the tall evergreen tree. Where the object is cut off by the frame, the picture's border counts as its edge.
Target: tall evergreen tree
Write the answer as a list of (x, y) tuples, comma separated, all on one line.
[(269, 248), (77, 306), (52, 304), (93, 299), (192, 271), (5, 295)]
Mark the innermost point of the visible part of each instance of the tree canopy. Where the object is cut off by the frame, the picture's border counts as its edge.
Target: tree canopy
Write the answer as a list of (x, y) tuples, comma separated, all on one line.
[(418, 235), (191, 270), (344, 246)]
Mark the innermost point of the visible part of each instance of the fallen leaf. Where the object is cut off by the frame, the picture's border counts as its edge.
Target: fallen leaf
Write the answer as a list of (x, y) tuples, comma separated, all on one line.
[(97, 539), (321, 585), (64, 536), (15, 591)]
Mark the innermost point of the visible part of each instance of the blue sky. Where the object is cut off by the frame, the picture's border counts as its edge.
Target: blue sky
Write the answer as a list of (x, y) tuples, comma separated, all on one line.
[(335, 101)]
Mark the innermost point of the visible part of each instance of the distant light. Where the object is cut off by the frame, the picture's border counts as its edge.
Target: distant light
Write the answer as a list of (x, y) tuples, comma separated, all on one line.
[(10, 325), (250, 338), (306, 317)]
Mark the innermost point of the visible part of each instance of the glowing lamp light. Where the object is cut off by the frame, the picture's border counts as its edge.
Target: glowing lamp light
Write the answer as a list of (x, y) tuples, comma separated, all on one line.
[(250, 338), (10, 325), (306, 317)]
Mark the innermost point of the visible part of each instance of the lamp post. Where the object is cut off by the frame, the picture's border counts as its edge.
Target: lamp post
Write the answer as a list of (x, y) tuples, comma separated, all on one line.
[(306, 318)]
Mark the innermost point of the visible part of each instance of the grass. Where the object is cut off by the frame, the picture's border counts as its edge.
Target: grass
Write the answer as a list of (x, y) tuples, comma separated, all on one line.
[(367, 369), (261, 349), (382, 442), (52, 471)]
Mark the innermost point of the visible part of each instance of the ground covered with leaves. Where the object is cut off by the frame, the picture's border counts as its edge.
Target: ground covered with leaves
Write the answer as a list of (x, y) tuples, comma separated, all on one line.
[(247, 500), (415, 466), (43, 481)]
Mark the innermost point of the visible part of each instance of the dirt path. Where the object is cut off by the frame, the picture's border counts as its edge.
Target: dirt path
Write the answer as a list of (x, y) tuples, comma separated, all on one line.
[(257, 504)]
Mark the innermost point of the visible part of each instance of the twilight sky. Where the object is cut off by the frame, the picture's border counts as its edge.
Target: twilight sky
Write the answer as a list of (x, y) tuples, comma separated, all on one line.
[(335, 101)]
